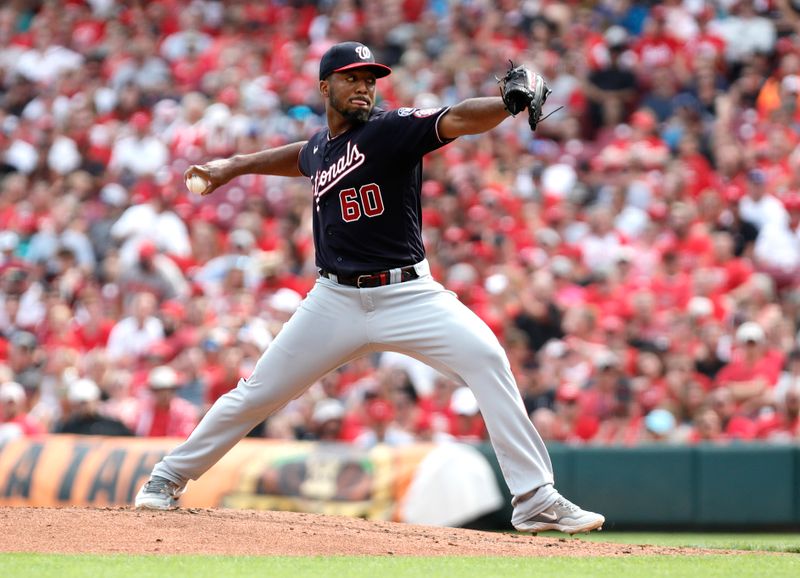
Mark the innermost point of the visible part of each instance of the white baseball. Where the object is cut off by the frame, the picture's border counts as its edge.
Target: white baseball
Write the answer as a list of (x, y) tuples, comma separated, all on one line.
[(196, 184)]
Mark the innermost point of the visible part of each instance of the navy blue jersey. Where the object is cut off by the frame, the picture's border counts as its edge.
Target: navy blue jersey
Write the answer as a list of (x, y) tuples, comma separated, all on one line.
[(366, 183)]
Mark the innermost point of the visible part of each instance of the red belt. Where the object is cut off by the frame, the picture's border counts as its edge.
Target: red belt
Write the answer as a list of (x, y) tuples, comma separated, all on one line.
[(378, 279)]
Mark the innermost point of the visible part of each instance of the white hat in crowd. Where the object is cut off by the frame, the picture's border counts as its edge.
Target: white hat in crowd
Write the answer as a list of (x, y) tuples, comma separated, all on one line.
[(700, 306), (285, 300), (114, 194), (83, 390), (13, 392), (605, 359), (162, 377), (8, 241), (326, 410), (242, 238), (463, 401), (750, 331)]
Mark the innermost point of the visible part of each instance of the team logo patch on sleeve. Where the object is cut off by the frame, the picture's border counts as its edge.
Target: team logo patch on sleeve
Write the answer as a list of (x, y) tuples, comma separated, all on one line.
[(426, 112), (405, 111)]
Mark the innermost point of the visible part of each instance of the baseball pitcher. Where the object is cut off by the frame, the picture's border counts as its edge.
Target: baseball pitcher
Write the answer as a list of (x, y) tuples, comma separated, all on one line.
[(375, 291)]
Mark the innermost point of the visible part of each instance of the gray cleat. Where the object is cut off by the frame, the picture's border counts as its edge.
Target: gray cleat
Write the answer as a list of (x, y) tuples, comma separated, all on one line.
[(158, 494), (562, 516)]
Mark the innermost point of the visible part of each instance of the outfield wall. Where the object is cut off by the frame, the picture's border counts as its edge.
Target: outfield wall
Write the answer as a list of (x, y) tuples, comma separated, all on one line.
[(745, 486), (737, 486)]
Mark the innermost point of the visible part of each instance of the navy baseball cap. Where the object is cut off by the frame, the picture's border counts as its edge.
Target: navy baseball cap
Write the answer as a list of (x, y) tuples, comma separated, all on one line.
[(347, 56)]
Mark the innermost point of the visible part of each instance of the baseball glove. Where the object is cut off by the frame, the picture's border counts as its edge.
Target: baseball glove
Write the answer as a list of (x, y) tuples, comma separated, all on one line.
[(521, 89)]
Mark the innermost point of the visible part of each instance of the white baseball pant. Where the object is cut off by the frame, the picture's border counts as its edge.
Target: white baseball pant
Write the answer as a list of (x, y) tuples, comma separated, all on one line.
[(336, 324)]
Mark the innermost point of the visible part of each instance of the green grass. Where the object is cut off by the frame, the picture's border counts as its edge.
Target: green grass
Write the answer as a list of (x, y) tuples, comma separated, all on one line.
[(724, 566), (67, 566), (767, 542)]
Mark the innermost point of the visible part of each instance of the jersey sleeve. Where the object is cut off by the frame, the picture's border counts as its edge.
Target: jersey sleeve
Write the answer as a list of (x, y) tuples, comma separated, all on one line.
[(302, 160), (415, 131)]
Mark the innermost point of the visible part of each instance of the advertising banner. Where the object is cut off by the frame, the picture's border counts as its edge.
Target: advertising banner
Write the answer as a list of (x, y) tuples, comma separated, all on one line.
[(445, 484)]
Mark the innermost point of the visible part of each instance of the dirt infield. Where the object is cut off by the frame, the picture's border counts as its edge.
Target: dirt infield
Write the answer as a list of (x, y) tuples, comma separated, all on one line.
[(261, 533)]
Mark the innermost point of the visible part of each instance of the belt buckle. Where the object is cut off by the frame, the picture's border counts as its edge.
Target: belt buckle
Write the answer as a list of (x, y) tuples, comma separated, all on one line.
[(358, 280)]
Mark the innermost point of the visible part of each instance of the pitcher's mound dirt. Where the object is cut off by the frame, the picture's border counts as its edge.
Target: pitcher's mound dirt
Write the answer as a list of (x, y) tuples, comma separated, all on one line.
[(261, 533)]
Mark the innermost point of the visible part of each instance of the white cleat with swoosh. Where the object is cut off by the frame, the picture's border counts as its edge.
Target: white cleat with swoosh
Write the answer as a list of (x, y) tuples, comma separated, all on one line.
[(158, 494), (562, 516)]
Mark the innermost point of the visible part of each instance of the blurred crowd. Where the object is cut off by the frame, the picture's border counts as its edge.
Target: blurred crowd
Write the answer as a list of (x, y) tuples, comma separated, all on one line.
[(638, 256)]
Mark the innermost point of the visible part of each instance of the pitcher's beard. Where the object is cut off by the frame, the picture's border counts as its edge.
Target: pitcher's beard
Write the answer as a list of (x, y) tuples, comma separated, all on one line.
[(355, 117), (358, 116)]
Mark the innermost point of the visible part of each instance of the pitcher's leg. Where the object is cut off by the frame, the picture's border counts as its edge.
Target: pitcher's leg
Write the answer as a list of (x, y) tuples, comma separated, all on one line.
[(312, 343), (431, 324)]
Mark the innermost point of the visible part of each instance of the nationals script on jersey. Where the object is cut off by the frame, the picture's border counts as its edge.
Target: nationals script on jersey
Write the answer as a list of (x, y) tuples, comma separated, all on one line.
[(366, 184)]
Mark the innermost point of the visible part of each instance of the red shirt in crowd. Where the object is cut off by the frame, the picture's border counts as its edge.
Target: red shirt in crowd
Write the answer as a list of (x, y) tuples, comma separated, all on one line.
[(776, 425), (87, 338), (767, 367), (177, 420), (26, 424)]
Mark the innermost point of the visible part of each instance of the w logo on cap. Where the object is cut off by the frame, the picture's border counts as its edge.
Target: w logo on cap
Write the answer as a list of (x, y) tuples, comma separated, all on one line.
[(349, 56)]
